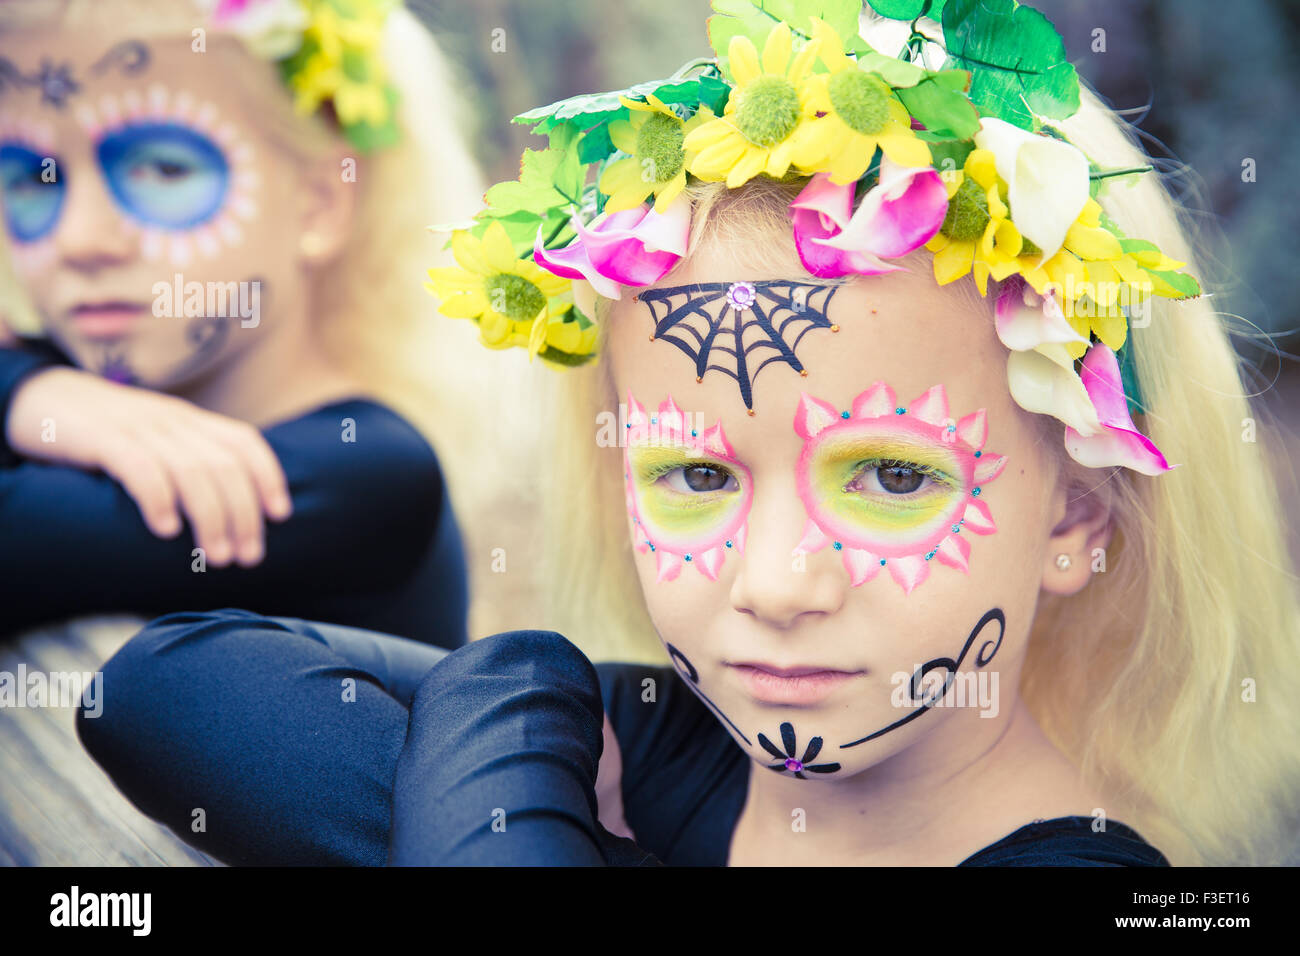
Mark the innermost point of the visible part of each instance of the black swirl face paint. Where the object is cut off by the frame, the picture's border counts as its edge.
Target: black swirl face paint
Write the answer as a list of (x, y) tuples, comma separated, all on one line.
[(986, 652), (56, 82), (739, 328), (687, 670), (789, 762)]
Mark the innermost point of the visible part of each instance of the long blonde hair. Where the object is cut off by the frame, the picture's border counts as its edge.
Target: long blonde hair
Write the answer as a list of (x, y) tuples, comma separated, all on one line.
[(1171, 679)]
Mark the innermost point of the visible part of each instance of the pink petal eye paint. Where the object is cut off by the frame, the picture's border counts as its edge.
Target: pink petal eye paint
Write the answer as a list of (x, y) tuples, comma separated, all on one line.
[(688, 496), (893, 486)]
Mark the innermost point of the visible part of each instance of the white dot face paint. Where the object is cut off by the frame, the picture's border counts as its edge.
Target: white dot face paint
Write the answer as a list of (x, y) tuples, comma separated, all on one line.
[(160, 179), (892, 486), (182, 174)]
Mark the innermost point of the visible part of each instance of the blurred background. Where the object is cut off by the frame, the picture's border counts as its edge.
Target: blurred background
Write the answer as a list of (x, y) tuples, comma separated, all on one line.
[(1206, 85)]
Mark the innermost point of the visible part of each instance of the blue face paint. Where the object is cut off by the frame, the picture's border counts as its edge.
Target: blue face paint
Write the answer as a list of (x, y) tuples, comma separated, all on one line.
[(31, 203), (165, 174)]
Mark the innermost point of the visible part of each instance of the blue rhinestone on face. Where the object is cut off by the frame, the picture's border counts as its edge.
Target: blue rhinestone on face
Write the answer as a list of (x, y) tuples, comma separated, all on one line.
[(694, 433), (652, 547), (654, 420), (978, 453), (975, 492), (844, 414), (956, 528), (882, 562), (952, 428), (929, 555), (900, 411), (838, 546), (728, 544), (687, 557)]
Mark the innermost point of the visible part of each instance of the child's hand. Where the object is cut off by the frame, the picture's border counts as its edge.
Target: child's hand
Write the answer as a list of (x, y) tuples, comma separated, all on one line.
[(169, 455)]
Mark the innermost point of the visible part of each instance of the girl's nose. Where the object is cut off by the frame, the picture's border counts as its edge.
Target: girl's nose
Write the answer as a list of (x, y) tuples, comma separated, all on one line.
[(776, 583), (92, 232)]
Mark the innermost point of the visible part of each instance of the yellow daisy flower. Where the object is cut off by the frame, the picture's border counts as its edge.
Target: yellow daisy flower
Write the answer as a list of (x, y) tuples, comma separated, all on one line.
[(561, 339), (1096, 278), (860, 112), (656, 163), (340, 39), (976, 235), (768, 106), (504, 294)]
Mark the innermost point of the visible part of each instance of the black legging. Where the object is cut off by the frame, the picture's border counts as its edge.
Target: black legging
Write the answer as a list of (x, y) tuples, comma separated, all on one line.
[(309, 743)]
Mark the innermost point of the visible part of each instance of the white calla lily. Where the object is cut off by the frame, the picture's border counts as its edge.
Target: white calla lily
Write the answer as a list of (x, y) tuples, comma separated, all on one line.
[(1047, 181), (1025, 320), (1043, 380)]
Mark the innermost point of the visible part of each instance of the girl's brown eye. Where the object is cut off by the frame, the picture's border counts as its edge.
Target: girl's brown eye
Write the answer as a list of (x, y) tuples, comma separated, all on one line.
[(898, 478), (700, 479), (704, 478)]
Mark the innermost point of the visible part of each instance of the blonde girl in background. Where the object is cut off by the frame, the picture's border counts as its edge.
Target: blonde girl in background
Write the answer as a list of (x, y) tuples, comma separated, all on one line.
[(842, 481), (223, 147)]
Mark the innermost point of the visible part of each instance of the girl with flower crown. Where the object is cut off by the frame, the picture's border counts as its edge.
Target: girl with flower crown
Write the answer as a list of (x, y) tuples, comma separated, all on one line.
[(212, 260), (859, 476)]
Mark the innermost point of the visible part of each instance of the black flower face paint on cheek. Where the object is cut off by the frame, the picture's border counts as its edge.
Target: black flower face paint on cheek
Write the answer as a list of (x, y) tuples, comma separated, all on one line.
[(986, 652), (739, 328)]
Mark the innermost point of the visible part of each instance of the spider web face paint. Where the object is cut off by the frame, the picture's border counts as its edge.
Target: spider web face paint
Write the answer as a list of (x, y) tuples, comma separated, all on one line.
[(688, 495), (739, 328), (893, 486)]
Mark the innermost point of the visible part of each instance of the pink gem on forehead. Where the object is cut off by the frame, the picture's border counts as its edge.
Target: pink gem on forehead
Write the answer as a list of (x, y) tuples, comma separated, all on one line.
[(740, 296)]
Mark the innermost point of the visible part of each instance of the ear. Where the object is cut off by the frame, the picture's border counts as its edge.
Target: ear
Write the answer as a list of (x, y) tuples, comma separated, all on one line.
[(329, 186), (1084, 525)]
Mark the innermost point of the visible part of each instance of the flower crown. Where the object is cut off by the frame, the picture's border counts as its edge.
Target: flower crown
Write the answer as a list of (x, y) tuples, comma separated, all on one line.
[(964, 160), (329, 53)]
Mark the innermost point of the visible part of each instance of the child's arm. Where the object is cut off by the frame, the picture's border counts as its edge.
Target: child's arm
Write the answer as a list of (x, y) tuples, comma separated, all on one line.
[(170, 456), (367, 518)]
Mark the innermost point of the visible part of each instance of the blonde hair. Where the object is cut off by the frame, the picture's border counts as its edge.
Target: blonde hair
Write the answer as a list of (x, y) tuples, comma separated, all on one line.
[(1171, 679), (372, 313)]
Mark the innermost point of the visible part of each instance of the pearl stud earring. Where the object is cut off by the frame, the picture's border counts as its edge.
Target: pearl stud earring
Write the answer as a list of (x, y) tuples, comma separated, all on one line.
[(1063, 562)]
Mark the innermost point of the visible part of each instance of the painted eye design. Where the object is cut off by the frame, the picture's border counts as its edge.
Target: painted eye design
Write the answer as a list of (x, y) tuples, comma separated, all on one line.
[(165, 174), (180, 171), (32, 201), (688, 496), (892, 486)]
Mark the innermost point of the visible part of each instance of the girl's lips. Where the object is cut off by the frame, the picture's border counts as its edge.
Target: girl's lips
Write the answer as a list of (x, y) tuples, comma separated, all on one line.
[(795, 686), (107, 319)]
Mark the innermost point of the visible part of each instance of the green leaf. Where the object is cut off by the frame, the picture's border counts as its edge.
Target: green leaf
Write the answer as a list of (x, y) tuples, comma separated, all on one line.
[(1137, 245), (1016, 58), (714, 93), (590, 108), (595, 145), (950, 155), (899, 9), (547, 178), (939, 101), (1128, 377), (1179, 282), (756, 18), (897, 73)]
